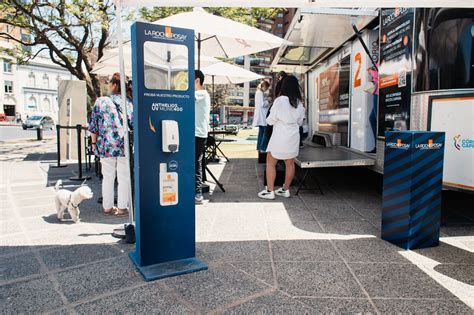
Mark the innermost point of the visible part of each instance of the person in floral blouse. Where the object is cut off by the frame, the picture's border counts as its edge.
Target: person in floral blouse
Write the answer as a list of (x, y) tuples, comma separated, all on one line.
[(107, 133)]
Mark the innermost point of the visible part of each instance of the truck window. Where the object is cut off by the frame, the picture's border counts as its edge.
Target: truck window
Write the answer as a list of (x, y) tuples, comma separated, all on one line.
[(444, 49)]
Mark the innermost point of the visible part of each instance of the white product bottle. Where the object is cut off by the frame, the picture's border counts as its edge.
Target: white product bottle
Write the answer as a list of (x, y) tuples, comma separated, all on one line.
[(168, 186)]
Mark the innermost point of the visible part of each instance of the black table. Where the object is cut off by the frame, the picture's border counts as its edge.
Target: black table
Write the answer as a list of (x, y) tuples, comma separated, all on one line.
[(213, 143)]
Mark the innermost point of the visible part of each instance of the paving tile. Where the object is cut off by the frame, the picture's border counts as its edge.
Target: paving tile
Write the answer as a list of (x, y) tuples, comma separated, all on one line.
[(356, 227), (417, 306), (42, 201), (149, 299), (276, 303), (240, 230), (70, 233), (312, 198), (446, 253), (398, 281), (373, 203), (298, 230), (458, 230), (330, 205), (43, 209), (371, 213), (304, 250), (73, 255), (462, 273), (33, 296), (344, 213), (220, 285), (339, 306), (18, 266), (259, 269), (317, 279), (369, 250), (281, 213), (14, 244), (88, 281), (238, 251), (10, 227)]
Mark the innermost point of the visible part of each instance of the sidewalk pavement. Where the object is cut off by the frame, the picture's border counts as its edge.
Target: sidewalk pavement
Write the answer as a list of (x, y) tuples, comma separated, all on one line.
[(308, 254)]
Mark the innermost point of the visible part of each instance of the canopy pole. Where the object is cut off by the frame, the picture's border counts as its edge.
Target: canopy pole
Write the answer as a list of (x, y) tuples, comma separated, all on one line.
[(213, 107), (118, 7), (199, 51)]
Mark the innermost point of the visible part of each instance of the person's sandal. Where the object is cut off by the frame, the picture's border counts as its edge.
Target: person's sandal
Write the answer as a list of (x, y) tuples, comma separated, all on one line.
[(121, 212), (110, 211)]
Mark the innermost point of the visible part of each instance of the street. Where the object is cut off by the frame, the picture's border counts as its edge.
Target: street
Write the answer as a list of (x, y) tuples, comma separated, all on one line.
[(8, 133)]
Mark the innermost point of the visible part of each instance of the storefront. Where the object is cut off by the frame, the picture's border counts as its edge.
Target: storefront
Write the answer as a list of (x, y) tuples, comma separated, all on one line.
[(416, 72)]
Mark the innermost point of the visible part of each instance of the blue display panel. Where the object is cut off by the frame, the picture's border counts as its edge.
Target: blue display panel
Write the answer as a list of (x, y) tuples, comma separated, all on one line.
[(163, 98)]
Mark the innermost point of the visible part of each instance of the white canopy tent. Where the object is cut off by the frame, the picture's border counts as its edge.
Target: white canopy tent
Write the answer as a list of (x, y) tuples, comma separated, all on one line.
[(217, 36), (313, 4)]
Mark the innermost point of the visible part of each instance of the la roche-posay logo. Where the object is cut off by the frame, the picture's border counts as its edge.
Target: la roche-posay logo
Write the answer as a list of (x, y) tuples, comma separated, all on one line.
[(166, 34), (398, 145), (429, 146)]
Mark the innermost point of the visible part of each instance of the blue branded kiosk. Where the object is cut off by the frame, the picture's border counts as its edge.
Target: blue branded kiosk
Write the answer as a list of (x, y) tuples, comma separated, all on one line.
[(163, 97), (412, 186)]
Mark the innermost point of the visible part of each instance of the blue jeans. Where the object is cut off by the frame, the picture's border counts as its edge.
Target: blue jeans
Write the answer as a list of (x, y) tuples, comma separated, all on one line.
[(262, 142)]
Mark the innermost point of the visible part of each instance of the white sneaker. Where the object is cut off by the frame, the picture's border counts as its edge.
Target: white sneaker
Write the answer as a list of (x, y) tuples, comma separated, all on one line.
[(282, 192), (265, 194)]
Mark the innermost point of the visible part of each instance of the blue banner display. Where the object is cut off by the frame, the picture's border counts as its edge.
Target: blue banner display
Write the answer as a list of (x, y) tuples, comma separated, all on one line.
[(412, 186), (163, 99)]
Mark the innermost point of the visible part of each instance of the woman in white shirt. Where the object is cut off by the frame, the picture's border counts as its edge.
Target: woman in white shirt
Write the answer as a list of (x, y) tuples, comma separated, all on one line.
[(286, 116), (260, 114)]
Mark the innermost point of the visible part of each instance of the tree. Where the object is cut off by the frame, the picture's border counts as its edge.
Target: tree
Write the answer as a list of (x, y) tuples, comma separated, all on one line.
[(248, 16), (74, 32)]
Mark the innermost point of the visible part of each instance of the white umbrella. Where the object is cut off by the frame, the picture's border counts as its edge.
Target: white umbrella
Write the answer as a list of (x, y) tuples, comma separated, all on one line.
[(225, 73), (109, 62), (220, 37)]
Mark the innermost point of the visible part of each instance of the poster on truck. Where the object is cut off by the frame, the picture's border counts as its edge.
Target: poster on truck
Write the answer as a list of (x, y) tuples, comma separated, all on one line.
[(334, 99), (459, 152), (396, 45)]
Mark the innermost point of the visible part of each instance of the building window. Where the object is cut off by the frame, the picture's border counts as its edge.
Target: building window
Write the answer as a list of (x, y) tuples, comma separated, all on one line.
[(7, 66), (279, 25), (279, 35), (31, 104), (46, 81), (444, 49), (47, 104), (8, 87), (32, 79), (280, 15)]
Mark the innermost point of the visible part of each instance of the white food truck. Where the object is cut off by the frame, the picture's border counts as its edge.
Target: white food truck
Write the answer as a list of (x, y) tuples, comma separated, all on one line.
[(367, 71)]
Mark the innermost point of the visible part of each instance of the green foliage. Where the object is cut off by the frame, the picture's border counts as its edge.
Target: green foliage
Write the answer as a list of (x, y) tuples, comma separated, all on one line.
[(74, 33), (247, 16)]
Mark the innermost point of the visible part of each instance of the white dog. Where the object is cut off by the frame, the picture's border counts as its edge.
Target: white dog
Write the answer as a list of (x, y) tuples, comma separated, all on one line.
[(70, 200)]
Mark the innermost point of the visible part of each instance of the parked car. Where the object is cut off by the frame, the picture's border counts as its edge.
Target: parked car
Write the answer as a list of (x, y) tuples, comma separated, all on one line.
[(38, 122), (232, 128)]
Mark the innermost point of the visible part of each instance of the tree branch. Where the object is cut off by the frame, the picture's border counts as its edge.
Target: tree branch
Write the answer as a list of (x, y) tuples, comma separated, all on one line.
[(8, 36)]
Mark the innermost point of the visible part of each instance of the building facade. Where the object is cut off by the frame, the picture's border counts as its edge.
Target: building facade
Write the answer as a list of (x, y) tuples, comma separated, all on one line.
[(30, 89)]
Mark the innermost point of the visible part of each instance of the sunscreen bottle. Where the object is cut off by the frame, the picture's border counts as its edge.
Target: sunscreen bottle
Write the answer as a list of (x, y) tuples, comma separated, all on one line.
[(168, 186)]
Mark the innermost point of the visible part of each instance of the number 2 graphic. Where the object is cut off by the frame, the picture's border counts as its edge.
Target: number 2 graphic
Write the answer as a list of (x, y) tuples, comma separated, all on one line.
[(357, 79)]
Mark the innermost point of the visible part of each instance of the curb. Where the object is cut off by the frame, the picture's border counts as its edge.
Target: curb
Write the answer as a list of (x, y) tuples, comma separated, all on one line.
[(9, 125), (22, 140)]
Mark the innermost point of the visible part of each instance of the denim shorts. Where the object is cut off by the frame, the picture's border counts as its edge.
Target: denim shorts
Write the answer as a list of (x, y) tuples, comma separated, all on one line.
[(262, 141)]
